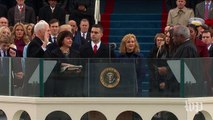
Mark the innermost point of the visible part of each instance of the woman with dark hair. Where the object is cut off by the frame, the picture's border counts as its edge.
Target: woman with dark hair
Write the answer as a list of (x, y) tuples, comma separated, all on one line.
[(64, 41), (169, 44), (201, 47), (67, 75)]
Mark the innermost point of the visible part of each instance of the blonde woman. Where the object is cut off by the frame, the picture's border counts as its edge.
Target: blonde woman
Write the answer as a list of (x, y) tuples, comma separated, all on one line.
[(5, 31), (19, 35), (129, 48), (29, 30)]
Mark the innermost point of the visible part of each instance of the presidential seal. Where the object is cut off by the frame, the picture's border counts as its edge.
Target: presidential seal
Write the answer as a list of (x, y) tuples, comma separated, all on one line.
[(110, 77)]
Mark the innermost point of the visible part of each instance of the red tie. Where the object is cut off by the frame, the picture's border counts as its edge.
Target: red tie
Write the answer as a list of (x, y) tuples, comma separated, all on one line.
[(95, 49), (206, 14)]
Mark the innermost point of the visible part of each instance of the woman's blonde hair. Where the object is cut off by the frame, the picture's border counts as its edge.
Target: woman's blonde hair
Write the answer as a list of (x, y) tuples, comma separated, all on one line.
[(25, 36), (124, 40), (3, 28)]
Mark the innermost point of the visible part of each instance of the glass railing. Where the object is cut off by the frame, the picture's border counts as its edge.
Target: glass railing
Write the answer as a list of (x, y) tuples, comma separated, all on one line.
[(106, 77)]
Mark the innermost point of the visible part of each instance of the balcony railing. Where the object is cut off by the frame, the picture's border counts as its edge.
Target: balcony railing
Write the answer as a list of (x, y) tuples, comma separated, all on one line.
[(106, 77)]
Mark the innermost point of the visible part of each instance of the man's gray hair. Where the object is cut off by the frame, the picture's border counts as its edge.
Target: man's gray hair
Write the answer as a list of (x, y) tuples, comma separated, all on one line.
[(182, 30), (40, 26)]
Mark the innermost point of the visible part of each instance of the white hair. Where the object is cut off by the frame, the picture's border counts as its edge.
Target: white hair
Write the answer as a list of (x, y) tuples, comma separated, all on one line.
[(40, 26)]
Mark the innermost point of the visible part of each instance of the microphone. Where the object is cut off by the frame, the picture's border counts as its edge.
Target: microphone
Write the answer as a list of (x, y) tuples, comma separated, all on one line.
[(113, 45)]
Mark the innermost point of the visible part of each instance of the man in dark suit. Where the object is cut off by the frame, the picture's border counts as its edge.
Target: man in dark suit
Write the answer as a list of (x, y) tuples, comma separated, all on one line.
[(37, 46), (83, 36), (207, 39), (54, 31), (21, 13), (95, 48), (185, 49), (36, 49), (53, 10), (200, 10)]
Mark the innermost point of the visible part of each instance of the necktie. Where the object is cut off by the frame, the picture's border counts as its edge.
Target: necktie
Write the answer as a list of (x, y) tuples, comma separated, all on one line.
[(84, 35), (54, 39), (5, 54), (20, 8), (206, 14), (95, 49)]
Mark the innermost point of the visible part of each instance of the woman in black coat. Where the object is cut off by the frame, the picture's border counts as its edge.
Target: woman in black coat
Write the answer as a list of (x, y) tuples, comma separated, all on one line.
[(67, 74), (129, 48)]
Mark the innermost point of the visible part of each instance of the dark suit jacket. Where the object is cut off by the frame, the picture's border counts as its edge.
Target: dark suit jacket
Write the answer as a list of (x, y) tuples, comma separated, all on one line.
[(186, 50), (34, 48), (80, 40), (50, 47), (200, 10), (86, 51), (29, 15), (3, 12), (211, 51), (45, 13)]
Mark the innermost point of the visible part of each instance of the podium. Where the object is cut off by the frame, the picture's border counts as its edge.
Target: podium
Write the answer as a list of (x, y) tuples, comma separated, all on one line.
[(112, 80)]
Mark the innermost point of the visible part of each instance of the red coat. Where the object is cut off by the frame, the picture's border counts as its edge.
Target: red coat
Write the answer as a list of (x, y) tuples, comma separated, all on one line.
[(202, 49)]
